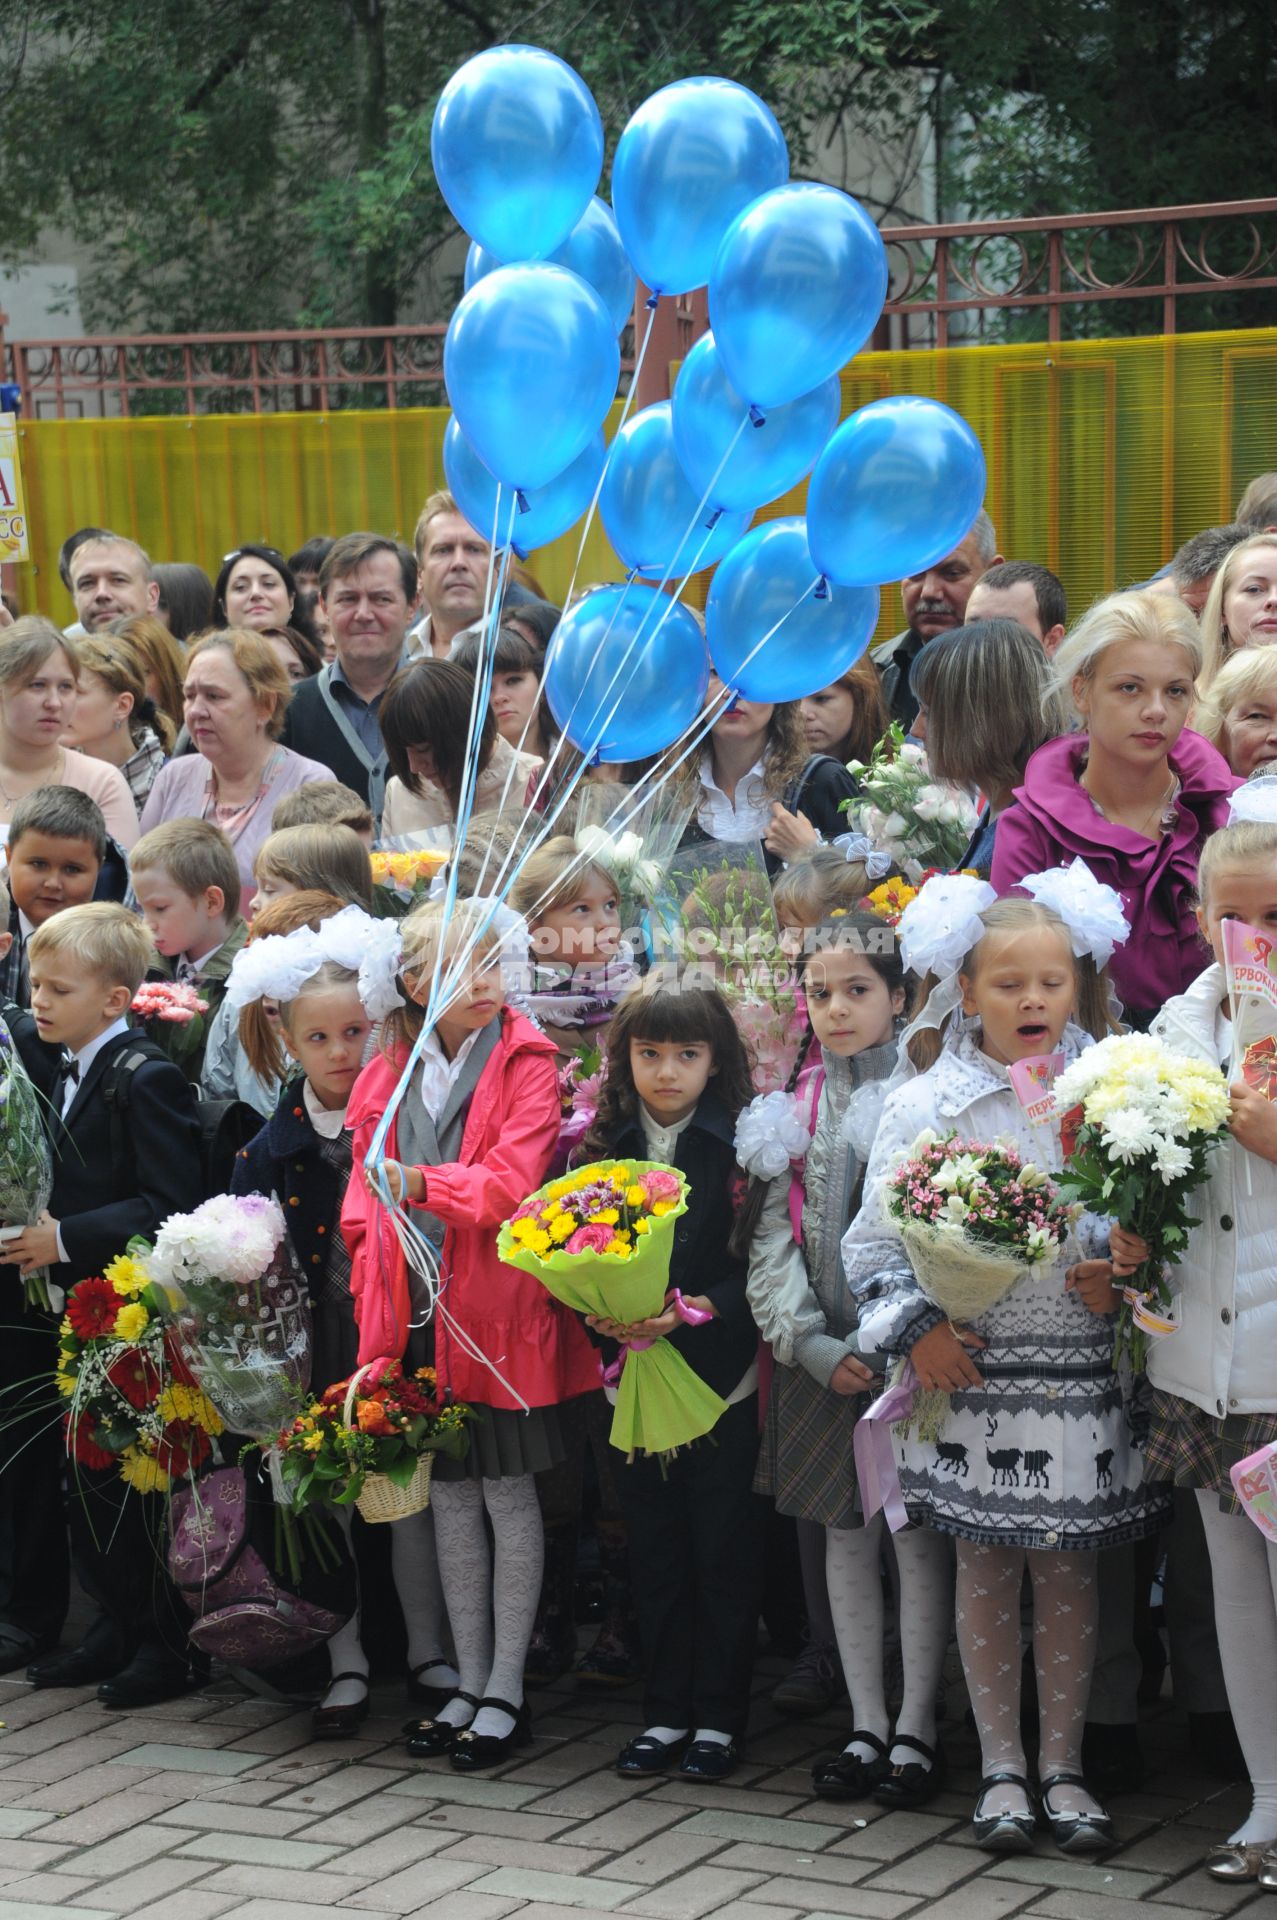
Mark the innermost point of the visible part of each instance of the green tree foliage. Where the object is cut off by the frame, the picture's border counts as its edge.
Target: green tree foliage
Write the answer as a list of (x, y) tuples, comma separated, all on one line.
[(258, 163)]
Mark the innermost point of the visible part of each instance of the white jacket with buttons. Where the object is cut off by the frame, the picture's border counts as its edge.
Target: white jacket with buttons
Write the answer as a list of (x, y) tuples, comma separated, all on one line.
[(1223, 1358)]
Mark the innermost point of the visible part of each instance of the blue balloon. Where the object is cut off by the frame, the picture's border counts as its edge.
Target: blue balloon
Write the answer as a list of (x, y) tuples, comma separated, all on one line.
[(626, 672), (651, 511), (689, 160), (798, 286), (517, 146), (549, 510), (897, 488), (769, 457), (760, 584), (593, 249), (531, 363)]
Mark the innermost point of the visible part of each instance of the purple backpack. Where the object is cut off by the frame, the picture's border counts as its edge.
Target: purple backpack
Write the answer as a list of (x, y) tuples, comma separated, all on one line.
[(221, 1559)]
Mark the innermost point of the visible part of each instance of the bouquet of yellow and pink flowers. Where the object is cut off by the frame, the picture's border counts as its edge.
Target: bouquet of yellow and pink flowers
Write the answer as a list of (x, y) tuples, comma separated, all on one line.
[(600, 1241), (1139, 1126), (401, 878)]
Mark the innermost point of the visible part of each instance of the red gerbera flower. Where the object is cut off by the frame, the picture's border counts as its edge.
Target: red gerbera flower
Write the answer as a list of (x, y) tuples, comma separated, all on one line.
[(84, 1448), (92, 1308), (136, 1376), (182, 1446)]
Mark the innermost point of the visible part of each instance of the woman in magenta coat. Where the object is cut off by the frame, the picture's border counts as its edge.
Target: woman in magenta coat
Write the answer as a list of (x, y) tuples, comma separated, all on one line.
[(1134, 795)]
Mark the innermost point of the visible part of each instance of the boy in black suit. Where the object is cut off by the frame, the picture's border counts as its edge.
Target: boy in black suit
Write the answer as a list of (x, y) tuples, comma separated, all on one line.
[(115, 1175)]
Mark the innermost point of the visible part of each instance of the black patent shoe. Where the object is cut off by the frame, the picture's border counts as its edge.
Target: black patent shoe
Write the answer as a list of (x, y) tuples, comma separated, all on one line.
[(912, 1784), (709, 1760), (427, 1739), (421, 1693), (646, 1754), (847, 1776), (1074, 1832), (1005, 1832), (473, 1751), (334, 1723)]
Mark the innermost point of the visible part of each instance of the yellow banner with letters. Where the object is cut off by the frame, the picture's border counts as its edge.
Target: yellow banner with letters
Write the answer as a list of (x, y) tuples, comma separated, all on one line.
[(13, 511)]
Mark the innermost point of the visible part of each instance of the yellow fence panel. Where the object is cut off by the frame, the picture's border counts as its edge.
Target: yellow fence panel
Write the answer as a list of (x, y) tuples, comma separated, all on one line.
[(1103, 455)]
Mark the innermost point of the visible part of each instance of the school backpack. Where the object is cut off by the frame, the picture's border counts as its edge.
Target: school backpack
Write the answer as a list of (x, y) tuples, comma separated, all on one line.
[(225, 1126), (224, 1560)]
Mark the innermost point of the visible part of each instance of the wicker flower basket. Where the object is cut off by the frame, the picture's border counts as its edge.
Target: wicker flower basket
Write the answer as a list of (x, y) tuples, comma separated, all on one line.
[(381, 1499)]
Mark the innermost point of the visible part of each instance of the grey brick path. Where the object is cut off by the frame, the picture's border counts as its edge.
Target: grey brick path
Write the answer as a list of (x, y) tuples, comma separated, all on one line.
[(221, 1807)]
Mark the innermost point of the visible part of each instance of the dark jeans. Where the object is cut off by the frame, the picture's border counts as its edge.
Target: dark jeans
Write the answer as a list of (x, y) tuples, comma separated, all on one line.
[(696, 1540), (34, 1558)]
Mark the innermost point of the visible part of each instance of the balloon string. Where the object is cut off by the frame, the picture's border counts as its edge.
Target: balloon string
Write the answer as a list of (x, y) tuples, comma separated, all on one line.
[(478, 707), (598, 489)]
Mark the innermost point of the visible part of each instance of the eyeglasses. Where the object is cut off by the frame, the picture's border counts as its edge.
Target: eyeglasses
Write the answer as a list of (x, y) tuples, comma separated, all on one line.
[(237, 553)]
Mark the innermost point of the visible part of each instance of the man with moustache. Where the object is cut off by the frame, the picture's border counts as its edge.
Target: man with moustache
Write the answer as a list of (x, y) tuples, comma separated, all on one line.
[(935, 602)]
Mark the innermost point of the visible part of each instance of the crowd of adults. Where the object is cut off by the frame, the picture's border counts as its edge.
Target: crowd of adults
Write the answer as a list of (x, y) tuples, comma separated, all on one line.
[(172, 695)]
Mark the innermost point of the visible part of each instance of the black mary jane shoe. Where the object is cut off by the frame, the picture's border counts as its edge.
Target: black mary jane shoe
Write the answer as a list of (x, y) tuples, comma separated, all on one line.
[(422, 1694), (646, 1754), (471, 1751), (427, 1739), (1005, 1832), (333, 1723), (1074, 1832), (709, 1760), (911, 1784), (847, 1776)]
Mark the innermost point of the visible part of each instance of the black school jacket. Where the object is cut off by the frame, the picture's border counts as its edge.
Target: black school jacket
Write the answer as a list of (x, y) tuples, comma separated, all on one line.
[(284, 1159), (101, 1203), (723, 1350)]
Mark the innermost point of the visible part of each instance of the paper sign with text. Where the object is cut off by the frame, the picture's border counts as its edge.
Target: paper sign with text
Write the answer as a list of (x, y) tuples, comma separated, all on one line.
[(1034, 1082), (13, 511), (1249, 961)]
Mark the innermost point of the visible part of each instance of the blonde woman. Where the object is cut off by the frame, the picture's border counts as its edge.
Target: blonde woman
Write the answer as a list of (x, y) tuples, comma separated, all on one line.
[(39, 676), (115, 719), (1133, 795), (235, 695), (1239, 714), (1241, 609)]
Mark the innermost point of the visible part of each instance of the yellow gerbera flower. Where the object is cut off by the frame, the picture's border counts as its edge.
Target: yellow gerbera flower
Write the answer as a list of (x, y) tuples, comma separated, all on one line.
[(126, 1275), (131, 1321), (143, 1473)]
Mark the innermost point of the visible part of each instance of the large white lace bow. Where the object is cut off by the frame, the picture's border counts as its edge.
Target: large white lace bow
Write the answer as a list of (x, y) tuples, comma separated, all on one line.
[(939, 928), (278, 966), (1090, 910)]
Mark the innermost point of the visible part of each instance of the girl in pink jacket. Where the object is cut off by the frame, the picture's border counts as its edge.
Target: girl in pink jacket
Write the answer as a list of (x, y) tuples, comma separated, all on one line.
[(472, 1137)]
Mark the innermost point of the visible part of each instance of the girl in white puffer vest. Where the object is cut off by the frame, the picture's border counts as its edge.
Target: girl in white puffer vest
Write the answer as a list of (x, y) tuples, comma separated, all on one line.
[(1215, 1379)]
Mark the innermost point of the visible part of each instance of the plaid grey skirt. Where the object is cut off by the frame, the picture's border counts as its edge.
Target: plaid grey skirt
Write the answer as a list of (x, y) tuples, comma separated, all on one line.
[(806, 1462), (1193, 1449)]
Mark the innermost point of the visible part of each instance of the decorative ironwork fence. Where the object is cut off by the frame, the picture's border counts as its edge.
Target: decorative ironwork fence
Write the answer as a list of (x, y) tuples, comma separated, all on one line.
[(1135, 271)]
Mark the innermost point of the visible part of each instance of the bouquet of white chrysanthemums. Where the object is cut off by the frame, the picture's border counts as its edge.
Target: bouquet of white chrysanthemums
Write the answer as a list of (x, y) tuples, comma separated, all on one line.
[(921, 822), (1139, 1126)]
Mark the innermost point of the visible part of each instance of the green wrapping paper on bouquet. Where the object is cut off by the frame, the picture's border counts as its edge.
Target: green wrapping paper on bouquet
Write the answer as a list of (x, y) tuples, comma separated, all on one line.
[(600, 1240)]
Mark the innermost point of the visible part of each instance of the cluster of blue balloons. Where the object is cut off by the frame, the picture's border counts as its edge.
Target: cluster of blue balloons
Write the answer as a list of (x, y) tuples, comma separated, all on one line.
[(796, 276)]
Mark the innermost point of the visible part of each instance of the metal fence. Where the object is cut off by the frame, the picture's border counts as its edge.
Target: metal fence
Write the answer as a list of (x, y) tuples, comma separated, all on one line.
[(1136, 271)]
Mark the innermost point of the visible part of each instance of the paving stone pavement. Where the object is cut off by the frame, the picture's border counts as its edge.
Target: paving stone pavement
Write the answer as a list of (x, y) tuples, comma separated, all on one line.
[(220, 1806)]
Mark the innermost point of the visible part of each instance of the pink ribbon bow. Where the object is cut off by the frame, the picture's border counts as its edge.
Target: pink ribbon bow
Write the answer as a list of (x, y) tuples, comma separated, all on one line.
[(876, 1469)]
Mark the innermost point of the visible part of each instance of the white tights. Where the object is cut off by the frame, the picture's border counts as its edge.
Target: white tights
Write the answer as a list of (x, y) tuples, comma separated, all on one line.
[(1244, 1573), (1065, 1614), (853, 1574), (415, 1569), (492, 1597)]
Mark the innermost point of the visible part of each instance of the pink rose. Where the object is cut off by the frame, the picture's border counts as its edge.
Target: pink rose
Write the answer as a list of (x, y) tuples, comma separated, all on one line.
[(660, 1185), (590, 1240)]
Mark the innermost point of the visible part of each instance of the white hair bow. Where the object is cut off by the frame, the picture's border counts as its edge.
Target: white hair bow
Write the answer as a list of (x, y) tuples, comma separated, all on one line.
[(1090, 910), (278, 966), (858, 846)]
